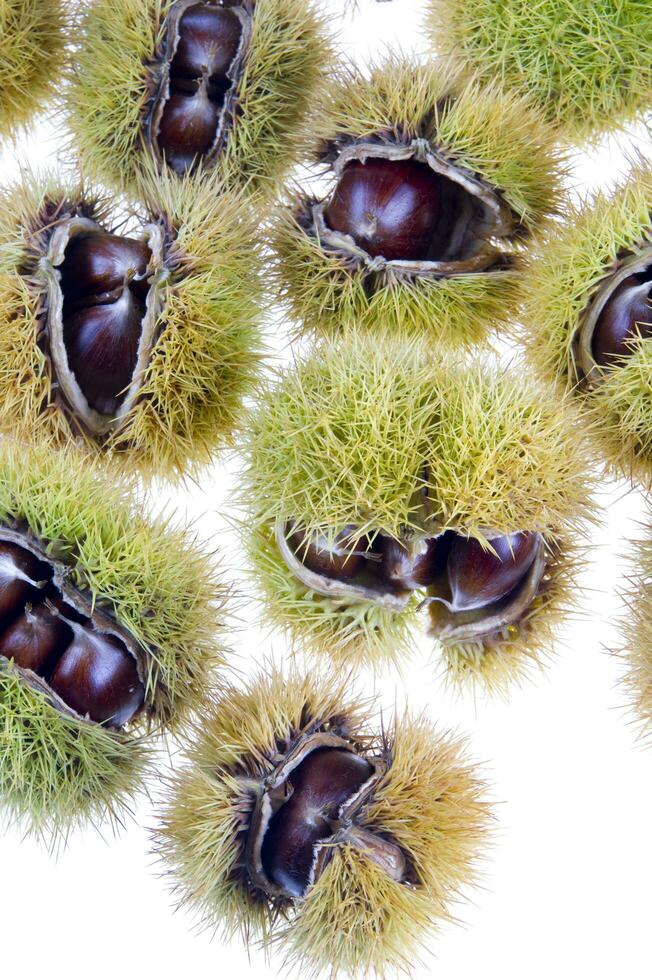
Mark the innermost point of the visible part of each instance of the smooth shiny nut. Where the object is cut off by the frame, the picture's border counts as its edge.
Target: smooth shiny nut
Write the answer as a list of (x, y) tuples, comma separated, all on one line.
[(478, 577), (626, 315), (390, 208), (35, 639)]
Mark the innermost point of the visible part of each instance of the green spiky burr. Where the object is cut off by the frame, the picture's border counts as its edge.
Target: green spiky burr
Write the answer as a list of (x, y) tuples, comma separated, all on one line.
[(391, 872), (371, 443), (125, 72), (586, 63), (32, 56), (636, 630), (112, 582), (579, 272), (473, 167), (187, 324)]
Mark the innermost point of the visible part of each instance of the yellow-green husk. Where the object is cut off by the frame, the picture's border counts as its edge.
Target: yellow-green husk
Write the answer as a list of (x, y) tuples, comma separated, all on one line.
[(430, 802), (570, 267), (208, 352), (494, 135), (345, 437), (110, 88), (57, 772), (636, 628), (32, 56), (587, 63)]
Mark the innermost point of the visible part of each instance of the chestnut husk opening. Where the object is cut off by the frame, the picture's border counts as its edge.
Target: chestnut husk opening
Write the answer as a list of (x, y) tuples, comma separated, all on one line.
[(69, 603), (484, 622), (161, 89), (482, 221), (589, 371), (67, 392), (275, 790)]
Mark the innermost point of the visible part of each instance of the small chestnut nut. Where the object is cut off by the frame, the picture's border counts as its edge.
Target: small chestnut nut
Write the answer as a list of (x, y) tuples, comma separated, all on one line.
[(626, 315), (19, 571), (103, 281), (35, 639), (390, 208), (96, 676), (479, 577)]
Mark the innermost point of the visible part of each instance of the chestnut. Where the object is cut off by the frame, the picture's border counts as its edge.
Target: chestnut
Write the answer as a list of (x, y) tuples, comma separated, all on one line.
[(479, 577), (104, 304), (341, 559), (390, 208), (626, 315), (97, 677), (19, 571), (318, 787), (208, 44), (35, 639), (414, 565)]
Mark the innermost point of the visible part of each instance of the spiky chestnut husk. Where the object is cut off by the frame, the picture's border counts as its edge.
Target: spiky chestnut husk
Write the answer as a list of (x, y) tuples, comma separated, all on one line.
[(636, 629), (573, 274), (374, 433), (429, 805), (32, 56), (587, 64), (489, 145), (202, 321), (120, 68), (151, 584)]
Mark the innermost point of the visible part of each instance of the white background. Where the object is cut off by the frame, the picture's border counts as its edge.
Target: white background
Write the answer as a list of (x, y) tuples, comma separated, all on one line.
[(566, 888)]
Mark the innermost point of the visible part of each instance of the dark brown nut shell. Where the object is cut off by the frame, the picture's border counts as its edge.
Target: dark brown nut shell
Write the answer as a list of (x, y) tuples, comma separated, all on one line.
[(63, 644)]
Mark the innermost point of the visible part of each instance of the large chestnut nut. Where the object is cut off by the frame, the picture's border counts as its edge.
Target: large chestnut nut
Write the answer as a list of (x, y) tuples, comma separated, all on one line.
[(342, 558), (325, 780), (390, 208), (415, 565), (35, 639), (19, 572), (479, 577), (103, 280), (98, 678), (208, 43), (626, 315)]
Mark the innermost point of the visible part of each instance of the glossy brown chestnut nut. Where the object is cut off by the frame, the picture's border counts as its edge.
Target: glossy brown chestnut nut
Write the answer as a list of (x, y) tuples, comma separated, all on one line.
[(209, 39), (415, 566), (35, 639), (19, 573), (104, 286), (343, 558), (97, 677), (479, 577), (626, 315), (319, 786), (390, 208)]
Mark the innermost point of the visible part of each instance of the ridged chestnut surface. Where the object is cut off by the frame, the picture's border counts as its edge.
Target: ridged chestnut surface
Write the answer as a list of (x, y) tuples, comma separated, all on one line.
[(104, 287), (391, 208), (342, 558), (206, 48), (318, 787), (87, 667), (626, 314)]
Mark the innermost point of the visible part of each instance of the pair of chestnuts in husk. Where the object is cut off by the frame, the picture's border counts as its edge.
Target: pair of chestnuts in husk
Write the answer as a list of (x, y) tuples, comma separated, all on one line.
[(293, 806), (379, 482), (194, 85), (140, 341), (109, 633)]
